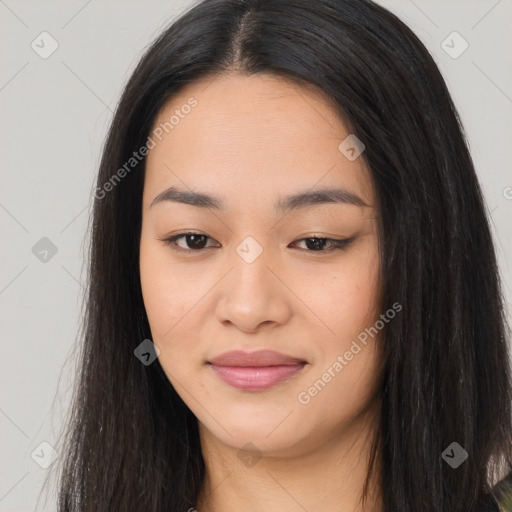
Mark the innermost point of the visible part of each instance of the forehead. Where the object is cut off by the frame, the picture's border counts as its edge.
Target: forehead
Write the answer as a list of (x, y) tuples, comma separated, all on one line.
[(259, 135)]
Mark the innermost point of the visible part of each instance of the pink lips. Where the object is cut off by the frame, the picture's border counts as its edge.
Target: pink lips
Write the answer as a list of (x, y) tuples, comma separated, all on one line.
[(254, 371)]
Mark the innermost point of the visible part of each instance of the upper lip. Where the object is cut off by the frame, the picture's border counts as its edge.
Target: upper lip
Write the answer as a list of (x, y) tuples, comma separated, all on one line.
[(258, 358)]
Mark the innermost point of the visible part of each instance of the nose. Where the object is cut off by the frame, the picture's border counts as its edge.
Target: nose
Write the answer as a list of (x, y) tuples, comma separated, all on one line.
[(254, 295)]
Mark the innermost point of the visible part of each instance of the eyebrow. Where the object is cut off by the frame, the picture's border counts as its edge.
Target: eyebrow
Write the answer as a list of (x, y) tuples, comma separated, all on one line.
[(298, 201)]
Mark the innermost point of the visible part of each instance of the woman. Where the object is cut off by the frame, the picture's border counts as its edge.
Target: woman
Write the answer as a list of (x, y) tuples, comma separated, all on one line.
[(293, 300)]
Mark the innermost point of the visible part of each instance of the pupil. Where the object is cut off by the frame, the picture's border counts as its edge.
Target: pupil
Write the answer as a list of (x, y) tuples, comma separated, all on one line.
[(195, 244), (315, 243)]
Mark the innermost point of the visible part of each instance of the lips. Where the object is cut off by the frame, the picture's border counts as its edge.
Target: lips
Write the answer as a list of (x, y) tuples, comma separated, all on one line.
[(255, 371), (259, 358)]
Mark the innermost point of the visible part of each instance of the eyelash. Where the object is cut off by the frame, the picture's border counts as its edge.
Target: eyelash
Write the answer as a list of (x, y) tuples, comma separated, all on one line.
[(335, 244)]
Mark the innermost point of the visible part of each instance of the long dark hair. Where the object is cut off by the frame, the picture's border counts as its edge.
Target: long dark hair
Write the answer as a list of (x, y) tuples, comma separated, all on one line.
[(131, 443)]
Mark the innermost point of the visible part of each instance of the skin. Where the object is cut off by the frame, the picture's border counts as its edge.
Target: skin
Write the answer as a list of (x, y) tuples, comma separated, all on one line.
[(249, 141)]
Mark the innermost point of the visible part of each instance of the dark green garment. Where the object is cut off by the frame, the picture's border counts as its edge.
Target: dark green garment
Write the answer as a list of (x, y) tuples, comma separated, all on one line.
[(503, 494)]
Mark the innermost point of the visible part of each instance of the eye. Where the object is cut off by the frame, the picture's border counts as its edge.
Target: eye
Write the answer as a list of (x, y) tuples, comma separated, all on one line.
[(317, 244), (195, 242)]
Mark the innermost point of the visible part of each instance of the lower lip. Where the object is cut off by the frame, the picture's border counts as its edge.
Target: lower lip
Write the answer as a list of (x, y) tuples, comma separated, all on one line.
[(253, 378)]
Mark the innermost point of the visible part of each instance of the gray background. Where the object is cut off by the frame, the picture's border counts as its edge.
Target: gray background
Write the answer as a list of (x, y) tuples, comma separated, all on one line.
[(55, 113)]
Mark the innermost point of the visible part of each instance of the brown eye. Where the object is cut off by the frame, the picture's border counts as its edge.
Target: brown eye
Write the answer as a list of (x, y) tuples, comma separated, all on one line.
[(318, 244), (192, 241)]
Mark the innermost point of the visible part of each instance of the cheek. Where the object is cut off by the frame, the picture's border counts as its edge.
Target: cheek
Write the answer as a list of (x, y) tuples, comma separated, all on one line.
[(339, 400), (172, 299), (347, 298), (353, 313), (348, 366), (162, 290), (156, 293)]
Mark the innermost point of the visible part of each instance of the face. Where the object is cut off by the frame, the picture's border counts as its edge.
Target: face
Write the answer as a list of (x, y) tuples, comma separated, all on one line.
[(245, 268)]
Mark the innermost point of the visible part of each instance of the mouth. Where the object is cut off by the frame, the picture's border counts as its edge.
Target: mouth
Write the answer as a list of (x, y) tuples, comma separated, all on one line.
[(255, 371)]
